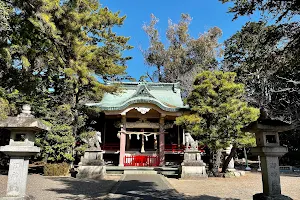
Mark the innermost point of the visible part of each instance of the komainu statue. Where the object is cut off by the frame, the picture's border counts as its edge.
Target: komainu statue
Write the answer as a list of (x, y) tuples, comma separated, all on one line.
[(190, 142), (94, 141)]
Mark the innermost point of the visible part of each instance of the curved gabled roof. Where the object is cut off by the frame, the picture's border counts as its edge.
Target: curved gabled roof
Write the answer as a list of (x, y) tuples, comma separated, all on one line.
[(166, 96)]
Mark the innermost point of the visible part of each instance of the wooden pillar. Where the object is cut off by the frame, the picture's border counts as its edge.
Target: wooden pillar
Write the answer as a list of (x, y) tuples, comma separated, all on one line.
[(183, 137), (122, 141), (155, 141), (104, 133), (127, 143), (161, 141)]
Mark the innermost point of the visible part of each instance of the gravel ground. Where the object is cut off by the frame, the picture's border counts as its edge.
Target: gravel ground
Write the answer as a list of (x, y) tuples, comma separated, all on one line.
[(51, 188), (233, 188)]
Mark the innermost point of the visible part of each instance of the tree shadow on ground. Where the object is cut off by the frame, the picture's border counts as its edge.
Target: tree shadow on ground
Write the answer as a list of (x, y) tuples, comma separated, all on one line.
[(78, 189), (133, 189)]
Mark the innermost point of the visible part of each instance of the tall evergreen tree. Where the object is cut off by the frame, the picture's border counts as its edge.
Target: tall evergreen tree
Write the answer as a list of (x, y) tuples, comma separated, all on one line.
[(269, 54), (266, 57), (56, 52), (265, 70), (218, 111)]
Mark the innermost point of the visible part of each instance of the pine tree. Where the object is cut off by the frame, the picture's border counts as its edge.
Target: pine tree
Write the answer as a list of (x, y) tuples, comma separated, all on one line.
[(56, 53), (218, 110)]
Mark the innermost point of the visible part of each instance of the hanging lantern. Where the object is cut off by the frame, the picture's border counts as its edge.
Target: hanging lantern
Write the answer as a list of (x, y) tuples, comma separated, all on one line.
[(129, 136), (146, 137), (138, 137)]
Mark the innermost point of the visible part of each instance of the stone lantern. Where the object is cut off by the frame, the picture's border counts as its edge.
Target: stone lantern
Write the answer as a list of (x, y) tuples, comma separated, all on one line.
[(269, 149), (21, 146)]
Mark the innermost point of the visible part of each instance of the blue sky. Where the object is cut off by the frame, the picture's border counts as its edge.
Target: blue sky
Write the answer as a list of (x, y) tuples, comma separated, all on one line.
[(205, 14)]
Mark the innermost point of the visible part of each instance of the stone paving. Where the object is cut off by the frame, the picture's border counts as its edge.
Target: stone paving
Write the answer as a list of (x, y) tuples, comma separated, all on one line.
[(144, 186)]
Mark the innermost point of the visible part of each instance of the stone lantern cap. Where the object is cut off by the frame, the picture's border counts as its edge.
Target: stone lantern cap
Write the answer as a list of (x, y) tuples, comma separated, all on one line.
[(268, 125), (24, 121), (23, 129)]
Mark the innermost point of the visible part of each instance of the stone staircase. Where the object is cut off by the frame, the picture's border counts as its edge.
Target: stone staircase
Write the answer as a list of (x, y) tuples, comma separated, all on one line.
[(142, 170), (139, 171)]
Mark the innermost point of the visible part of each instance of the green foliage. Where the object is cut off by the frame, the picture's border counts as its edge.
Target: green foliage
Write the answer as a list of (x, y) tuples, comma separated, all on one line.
[(60, 169), (248, 140), (218, 110), (4, 108), (275, 9), (53, 53), (58, 142), (269, 73), (8, 103), (84, 136), (265, 55)]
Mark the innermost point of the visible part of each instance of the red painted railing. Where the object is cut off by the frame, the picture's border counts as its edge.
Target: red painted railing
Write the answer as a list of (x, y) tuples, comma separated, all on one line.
[(141, 161)]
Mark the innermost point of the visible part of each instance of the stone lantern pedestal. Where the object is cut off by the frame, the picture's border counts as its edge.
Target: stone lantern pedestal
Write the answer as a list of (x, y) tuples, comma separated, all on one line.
[(92, 164), (20, 148), (269, 149), (193, 166)]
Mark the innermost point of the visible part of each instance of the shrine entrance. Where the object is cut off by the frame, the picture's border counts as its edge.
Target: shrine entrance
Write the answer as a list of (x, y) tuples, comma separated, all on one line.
[(134, 140), (137, 123)]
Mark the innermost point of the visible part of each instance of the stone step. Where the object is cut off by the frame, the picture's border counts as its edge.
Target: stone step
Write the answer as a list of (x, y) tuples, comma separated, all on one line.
[(140, 171)]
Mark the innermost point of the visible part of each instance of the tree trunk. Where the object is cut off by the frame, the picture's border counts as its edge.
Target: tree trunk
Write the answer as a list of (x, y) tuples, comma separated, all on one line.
[(228, 159), (75, 124), (215, 162)]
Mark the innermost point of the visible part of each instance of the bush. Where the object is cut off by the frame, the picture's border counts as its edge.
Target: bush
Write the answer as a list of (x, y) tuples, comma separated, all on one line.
[(60, 169)]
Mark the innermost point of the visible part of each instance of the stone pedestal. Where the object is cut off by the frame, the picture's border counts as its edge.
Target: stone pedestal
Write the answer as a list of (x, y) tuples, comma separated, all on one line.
[(192, 166), (92, 165), (18, 169), (270, 172)]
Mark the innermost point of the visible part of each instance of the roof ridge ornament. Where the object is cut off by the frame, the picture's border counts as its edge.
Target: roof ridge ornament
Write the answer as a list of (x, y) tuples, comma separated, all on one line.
[(142, 90)]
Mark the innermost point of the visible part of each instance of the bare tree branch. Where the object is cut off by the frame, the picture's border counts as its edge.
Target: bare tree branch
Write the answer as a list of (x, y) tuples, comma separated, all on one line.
[(289, 80)]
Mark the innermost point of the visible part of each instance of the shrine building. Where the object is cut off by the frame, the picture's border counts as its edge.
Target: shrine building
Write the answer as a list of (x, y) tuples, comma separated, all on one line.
[(137, 125)]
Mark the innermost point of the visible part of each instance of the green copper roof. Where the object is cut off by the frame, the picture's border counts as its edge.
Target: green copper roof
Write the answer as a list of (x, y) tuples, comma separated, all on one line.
[(165, 95)]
